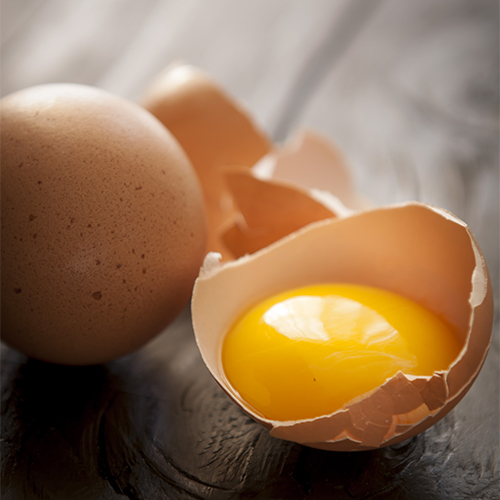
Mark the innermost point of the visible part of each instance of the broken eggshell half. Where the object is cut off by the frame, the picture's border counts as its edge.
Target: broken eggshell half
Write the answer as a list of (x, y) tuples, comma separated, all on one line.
[(213, 128), (413, 249)]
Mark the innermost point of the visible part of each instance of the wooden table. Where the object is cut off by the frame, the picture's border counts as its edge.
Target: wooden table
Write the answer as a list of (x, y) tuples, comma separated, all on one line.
[(409, 92)]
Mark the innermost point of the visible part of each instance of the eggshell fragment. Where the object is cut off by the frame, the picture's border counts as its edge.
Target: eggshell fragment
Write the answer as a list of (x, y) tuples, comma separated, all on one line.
[(267, 211), (214, 130), (416, 250)]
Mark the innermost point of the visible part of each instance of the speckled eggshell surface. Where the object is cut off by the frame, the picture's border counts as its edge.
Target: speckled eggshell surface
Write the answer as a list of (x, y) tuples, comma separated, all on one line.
[(103, 224)]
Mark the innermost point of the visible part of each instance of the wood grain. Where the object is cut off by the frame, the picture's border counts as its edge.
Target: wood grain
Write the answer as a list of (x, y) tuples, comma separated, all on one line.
[(409, 91)]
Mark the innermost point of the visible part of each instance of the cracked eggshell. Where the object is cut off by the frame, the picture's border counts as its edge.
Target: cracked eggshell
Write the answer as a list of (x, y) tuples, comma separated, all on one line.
[(416, 250), (103, 224), (215, 131)]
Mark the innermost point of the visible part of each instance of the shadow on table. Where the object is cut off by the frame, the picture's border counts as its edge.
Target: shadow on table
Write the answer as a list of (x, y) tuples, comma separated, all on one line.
[(156, 425)]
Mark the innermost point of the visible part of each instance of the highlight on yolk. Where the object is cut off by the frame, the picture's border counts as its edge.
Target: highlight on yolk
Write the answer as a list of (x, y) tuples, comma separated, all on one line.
[(309, 351)]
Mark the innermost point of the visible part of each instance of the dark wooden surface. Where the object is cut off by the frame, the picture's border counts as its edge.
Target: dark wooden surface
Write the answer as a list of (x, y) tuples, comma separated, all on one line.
[(409, 91)]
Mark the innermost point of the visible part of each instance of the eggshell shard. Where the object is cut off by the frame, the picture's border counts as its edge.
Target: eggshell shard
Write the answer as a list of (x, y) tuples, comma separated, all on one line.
[(267, 211), (416, 250), (214, 130), (103, 224)]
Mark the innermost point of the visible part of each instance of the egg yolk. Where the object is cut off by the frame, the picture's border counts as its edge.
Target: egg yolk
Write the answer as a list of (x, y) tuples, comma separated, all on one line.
[(309, 351)]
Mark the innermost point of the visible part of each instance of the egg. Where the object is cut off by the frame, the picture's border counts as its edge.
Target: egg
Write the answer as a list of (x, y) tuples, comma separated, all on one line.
[(415, 250), (103, 224)]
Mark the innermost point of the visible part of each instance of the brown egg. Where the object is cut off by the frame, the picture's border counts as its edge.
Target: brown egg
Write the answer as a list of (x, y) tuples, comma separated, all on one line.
[(103, 224)]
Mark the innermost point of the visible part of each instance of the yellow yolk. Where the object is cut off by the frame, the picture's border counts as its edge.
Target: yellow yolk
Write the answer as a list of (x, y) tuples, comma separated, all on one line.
[(309, 351)]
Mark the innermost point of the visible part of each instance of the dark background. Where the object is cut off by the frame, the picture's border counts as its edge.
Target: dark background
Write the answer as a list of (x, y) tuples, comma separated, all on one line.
[(409, 91)]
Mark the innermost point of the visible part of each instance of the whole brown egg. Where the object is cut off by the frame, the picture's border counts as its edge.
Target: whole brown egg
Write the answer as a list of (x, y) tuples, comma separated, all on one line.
[(103, 224)]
